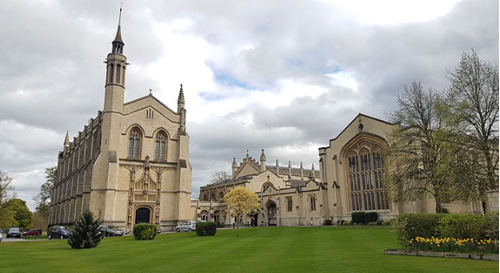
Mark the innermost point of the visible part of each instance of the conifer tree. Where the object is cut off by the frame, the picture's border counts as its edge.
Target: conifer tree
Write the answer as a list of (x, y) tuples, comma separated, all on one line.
[(85, 232)]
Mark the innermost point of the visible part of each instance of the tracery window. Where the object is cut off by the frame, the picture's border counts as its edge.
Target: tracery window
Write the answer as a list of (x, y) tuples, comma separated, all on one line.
[(134, 143), (366, 170), (160, 146)]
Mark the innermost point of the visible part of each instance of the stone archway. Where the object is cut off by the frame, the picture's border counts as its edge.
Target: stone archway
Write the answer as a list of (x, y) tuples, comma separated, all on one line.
[(271, 214), (142, 215)]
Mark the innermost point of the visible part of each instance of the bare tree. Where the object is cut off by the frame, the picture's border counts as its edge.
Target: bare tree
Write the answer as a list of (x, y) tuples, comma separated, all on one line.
[(473, 106), (5, 188), (219, 176), (421, 155)]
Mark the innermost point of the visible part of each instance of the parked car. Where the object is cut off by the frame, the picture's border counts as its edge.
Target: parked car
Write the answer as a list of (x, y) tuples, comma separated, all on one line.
[(33, 232), (109, 232), (187, 226), (59, 232), (1, 236), (14, 232)]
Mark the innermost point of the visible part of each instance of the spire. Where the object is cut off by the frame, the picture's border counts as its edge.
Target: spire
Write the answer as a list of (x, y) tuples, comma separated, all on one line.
[(66, 139), (118, 42), (180, 99), (234, 163), (262, 156), (234, 167)]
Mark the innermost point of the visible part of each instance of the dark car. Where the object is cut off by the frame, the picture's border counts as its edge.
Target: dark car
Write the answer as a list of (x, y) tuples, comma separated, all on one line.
[(110, 232), (33, 232), (14, 232), (59, 232)]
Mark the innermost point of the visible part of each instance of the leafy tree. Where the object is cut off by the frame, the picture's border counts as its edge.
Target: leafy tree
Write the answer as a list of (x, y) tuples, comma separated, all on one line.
[(241, 201), (22, 214), (86, 232), (219, 176), (421, 155), (473, 107), (42, 199)]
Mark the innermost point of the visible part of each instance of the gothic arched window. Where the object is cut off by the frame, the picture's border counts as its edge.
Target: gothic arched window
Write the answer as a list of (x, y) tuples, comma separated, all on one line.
[(366, 170), (160, 146), (134, 143)]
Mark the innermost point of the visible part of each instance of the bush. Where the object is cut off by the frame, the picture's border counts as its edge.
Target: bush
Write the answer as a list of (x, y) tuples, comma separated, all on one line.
[(328, 222), (86, 232), (380, 222), (461, 226), (206, 228), (372, 223), (145, 231), (491, 225), (364, 217), (387, 223), (410, 225)]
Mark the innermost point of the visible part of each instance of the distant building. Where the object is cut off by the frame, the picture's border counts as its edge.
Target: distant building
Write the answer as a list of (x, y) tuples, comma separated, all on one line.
[(130, 164), (351, 168)]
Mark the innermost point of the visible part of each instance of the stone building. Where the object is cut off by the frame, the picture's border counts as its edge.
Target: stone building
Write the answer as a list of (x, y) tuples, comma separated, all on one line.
[(350, 180), (288, 196), (128, 165)]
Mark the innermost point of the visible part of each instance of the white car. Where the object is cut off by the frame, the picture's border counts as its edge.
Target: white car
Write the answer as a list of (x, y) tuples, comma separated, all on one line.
[(1, 236), (187, 226)]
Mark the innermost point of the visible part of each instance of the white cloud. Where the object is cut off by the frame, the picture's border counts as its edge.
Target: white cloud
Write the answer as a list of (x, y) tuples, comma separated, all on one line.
[(284, 76)]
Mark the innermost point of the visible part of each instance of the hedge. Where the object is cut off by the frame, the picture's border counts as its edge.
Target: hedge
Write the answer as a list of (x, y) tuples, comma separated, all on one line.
[(364, 217), (145, 231), (206, 228), (410, 225), (459, 226), (463, 226)]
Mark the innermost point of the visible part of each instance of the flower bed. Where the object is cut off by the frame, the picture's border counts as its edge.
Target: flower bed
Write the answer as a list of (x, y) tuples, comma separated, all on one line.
[(468, 245)]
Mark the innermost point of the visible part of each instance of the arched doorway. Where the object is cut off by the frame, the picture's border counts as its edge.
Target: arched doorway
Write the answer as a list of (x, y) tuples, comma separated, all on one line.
[(142, 215), (271, 214)]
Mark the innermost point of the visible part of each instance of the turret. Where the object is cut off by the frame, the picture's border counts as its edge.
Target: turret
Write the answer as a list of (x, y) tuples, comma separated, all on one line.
[(116, 64), (234, 166), (262, 161)]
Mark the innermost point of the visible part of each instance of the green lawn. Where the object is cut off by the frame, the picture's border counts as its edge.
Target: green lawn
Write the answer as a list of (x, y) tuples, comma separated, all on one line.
[(273, 249)]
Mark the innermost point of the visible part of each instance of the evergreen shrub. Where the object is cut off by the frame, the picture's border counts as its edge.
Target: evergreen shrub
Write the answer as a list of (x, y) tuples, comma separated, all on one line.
[(410, 225), (364, 217), (85, 233), (467, 225), (206, 228), (328, 222), (145, 231)]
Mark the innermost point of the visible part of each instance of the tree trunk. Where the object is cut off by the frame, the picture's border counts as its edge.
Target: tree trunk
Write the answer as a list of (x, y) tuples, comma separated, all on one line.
[(439, 207)]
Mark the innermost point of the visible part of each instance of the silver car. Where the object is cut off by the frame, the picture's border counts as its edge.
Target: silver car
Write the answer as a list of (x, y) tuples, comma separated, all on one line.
[(187, 226)]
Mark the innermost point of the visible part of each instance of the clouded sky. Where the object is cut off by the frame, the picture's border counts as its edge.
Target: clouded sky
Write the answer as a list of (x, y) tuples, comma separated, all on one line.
[(284, 76)]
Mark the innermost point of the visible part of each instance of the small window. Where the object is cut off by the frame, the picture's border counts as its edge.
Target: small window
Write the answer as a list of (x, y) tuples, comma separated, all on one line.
[(313, 202), (289, 203)]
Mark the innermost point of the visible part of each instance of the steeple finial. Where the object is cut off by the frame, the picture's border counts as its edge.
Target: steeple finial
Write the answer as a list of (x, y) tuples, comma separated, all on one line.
[(120, 17), (118, 42), (66, 139)]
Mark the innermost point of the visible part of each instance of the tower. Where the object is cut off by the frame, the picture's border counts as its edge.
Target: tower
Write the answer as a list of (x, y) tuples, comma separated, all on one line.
[(116, 64), (106, 170)]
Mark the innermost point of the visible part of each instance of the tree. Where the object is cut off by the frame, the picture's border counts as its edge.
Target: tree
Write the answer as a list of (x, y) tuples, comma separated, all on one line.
[(219, 176), (86, 232), (22, 214), (421, 155), (5, 188), (42, 199), (241, 201), (6, 216), (473, 107)]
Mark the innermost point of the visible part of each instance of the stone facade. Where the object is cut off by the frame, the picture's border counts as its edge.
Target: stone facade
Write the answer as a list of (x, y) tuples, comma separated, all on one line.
[(288, 196), (130, 164), (350, 180)]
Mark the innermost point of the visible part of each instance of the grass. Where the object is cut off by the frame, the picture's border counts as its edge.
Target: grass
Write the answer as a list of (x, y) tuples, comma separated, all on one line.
[(273, 249)]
